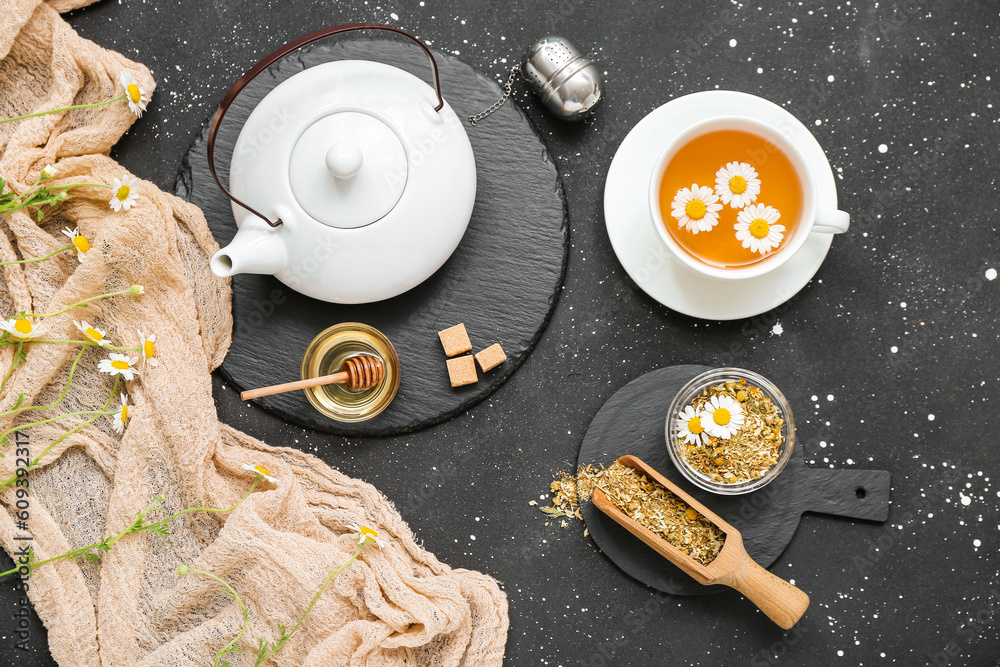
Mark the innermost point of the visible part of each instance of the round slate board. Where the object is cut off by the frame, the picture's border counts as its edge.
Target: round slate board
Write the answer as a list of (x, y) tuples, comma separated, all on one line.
[(632, 422), (502, 281)]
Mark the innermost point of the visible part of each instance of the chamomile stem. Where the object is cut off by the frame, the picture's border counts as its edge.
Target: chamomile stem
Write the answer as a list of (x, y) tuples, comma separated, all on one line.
[(138, 525), (13, 364), (72, 370), (75, 106), (65, 435), (281, 642), (239, 601), (38, 259), (82, 302), (72, 342), (52, 419), (208, 509), (80, 185), (108, 542)]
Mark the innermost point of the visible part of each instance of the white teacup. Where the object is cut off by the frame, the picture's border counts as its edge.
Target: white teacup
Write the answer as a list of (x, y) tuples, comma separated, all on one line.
[(814, 220)]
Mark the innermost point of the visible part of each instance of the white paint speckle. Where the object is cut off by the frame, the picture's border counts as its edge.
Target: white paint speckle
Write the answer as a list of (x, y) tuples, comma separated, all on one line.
[(977, 543), (882, 148), (830, 78), (894, 349), (991, 274), (902, 304), (930, 417), (777, 329), (472, 537), (732, 42), (760, 70), (840, 653), (395, 17), (966, 500), (829, 397)]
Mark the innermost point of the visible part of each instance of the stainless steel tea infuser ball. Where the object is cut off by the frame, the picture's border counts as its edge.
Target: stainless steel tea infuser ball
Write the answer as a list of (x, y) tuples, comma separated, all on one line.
[(567, 82)]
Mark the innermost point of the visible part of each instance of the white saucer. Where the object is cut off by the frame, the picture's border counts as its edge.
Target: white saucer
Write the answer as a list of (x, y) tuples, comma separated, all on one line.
[(641, 251)]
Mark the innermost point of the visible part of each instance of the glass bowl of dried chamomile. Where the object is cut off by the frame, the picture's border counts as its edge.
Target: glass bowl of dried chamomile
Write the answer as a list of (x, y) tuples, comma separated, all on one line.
[(730, 431)]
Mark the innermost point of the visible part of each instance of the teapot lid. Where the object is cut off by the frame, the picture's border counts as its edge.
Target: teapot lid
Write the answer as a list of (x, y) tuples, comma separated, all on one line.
[(348, 169)]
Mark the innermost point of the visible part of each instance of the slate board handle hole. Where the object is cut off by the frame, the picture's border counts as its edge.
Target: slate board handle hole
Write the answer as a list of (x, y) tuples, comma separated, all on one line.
[(860, 493)]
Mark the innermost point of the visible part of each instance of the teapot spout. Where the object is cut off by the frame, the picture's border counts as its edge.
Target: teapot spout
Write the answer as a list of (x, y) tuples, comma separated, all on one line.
[(254, 249)]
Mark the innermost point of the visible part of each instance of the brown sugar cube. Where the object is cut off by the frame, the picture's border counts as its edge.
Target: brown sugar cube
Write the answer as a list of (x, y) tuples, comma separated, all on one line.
[(462, 371), (491, 357), (455, 340)]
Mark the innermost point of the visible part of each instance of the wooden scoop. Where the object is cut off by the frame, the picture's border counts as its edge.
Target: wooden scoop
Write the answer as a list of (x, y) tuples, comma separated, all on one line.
[(783, 603), (361, 373)]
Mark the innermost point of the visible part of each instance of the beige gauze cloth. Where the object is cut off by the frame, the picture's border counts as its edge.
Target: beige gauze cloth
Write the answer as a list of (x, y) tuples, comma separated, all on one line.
[(392, 607)]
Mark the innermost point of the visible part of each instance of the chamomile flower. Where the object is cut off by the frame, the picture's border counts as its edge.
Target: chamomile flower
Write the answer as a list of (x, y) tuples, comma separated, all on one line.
[(92, 334), (135, 95), (755, 227), (122, 416), (21, 328), (48, 172), (80, 243), (737, 184), (696, 208), (366, 534), (262, 471), (119, 364), (723, 417), (124, 197), (689, 426), (146, 349)]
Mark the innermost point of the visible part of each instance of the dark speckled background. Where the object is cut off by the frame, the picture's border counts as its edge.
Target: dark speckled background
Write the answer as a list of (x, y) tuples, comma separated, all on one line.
[(888, 356)]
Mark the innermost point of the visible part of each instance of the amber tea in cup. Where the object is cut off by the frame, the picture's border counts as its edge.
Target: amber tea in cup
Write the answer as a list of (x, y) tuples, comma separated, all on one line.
[(734, 197), (699, 161)]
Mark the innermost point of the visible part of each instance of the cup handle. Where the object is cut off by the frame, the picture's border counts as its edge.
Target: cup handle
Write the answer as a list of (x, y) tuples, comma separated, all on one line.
[(831, 221)]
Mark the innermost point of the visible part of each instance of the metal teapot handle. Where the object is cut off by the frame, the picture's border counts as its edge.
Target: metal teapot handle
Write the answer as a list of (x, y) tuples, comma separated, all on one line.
[(267, 61)]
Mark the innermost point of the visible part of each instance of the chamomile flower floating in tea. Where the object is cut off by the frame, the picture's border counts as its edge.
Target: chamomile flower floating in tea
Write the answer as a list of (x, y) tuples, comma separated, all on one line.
[(124, 193), (737, 184), (135, 95), (119, 364), (366, 534), (723, 417), (120, 420), (696, 208), (92, 334), (262, 471), (689, 426), (21, 328), (147, 349), (756, 228), (80, 243)]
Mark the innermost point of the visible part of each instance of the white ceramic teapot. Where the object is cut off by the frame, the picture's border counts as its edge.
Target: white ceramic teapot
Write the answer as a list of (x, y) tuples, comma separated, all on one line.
[(352, 181)]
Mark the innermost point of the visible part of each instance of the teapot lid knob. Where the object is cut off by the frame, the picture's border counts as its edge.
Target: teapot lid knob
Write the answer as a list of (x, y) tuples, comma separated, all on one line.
[(344, 159)]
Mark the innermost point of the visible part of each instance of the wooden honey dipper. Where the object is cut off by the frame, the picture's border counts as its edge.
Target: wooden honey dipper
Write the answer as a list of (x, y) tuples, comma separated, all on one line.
[(360, 373)]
